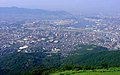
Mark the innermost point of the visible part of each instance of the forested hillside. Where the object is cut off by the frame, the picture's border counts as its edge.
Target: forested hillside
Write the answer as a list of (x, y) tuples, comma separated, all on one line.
[(83, 55)]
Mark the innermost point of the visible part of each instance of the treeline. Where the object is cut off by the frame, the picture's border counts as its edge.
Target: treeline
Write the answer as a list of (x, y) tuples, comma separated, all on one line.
[(17, 63), (49, 71), (93, 56), (84, 57)]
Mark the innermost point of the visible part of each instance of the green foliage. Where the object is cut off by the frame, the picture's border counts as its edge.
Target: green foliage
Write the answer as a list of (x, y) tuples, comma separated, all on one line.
[(86, 73), (84, 57), (71, 70), (104, 65), (23, 62)]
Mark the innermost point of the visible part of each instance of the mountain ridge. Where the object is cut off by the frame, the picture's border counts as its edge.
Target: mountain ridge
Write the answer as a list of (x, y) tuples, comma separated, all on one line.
[(27, 10), (26, 13)]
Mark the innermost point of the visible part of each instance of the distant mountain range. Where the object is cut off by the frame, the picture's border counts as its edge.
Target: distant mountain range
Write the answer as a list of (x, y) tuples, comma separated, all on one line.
[(25, 13), (16, 10)]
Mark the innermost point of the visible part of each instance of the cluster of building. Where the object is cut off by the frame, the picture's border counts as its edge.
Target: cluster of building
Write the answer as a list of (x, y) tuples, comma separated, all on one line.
[(53, 36)]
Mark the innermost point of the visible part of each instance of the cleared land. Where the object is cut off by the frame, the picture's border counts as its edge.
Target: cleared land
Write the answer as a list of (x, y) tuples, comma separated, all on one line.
[(110, 71)]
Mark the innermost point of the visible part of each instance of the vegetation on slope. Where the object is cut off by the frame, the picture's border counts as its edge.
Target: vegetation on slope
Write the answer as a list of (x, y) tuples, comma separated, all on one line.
[(86, 57)]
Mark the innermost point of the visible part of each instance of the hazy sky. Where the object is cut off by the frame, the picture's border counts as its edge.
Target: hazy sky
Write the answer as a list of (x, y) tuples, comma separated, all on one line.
[(68, 5)]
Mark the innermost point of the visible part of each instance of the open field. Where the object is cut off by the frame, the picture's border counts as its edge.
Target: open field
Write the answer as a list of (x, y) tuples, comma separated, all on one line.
[(110, 71)]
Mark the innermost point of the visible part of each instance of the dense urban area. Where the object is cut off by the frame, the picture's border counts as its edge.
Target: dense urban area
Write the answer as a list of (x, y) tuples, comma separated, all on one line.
[(44, 42), (59, 35)]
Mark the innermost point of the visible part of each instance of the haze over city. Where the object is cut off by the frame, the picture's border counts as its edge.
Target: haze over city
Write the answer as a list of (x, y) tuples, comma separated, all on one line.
[(59, 37), (73, 6)]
